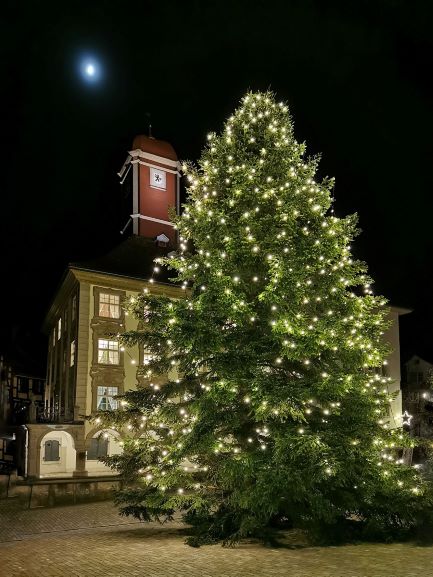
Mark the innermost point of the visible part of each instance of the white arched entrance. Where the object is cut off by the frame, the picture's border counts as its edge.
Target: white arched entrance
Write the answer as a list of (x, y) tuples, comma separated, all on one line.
[(57, 454), (106, 442)]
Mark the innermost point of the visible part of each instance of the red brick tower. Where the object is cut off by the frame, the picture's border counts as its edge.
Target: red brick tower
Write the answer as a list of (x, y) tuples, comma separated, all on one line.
[(151, 178)]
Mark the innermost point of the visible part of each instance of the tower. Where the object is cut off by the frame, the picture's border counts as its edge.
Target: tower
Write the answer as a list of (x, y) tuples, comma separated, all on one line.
[(150, 181)]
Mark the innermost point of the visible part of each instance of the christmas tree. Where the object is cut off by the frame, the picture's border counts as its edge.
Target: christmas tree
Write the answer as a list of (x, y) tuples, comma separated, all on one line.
[(275, 405)]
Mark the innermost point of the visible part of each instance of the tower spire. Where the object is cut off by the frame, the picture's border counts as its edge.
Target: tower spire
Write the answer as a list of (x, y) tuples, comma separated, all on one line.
[(149, 125)]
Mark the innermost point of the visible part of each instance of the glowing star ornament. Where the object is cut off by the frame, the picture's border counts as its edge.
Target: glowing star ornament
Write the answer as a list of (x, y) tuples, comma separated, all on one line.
[(406, 419)]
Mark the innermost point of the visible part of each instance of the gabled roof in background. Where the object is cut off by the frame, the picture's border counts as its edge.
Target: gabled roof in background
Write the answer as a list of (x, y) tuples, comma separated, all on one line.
[(417, 357)]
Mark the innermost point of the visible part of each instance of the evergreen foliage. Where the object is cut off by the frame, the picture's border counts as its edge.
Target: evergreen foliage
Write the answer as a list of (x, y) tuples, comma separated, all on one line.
[(275, 406)]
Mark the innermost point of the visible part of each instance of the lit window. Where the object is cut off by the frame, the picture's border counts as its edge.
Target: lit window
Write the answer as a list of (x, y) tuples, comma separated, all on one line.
[(147, 357), (59, 328), (106, 400), (109, 306), (108, 352), (72, 356), (74, 307)]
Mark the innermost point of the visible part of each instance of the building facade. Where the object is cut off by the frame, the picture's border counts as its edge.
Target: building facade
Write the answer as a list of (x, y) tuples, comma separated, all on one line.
[(86, 366)]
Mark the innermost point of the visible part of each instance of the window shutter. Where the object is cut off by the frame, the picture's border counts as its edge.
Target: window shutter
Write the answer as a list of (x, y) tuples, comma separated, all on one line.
[(52, 450), (98, 449), (92, 453), (102, 447)]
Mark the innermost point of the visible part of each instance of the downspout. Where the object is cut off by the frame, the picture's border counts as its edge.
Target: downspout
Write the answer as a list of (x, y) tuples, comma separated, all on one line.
[(26, 452)]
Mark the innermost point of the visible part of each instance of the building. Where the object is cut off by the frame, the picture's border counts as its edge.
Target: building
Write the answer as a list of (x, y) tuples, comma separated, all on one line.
[(21, 401), (21, 394), (87, 367), (418, 396), (392, 367)]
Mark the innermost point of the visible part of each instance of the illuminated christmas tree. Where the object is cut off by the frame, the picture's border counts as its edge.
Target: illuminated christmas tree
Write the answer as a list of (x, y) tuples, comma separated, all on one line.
[(275, 406)]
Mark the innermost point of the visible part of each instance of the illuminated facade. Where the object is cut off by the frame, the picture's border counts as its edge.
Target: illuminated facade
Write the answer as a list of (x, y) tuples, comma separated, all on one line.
[(87, 368)]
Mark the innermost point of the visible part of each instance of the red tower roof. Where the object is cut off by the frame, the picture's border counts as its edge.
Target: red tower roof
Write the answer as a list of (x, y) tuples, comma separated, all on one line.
[(154, 146)]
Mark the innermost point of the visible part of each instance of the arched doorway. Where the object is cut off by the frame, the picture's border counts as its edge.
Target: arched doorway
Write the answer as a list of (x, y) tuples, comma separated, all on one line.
[(57, 454)]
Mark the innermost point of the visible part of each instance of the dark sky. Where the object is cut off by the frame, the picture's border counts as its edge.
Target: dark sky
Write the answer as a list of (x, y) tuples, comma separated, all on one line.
[(357, 76)]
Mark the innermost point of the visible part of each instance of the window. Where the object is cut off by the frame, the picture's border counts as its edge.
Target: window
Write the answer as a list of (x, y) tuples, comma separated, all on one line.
[(59, 328), (105, 400), (98, 448), (416, 377), (54, 336), (37, 387), (23, 385), (74, 307), (108, 352), (72, 355), (52, 450), (146, 357), (109, 306), (65, 322)]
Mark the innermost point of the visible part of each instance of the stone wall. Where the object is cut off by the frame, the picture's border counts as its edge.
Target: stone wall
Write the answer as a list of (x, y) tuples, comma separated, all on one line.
[(52, 492)]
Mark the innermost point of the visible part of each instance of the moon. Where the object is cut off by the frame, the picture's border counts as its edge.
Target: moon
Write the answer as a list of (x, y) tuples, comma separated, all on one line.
[(90, 69)]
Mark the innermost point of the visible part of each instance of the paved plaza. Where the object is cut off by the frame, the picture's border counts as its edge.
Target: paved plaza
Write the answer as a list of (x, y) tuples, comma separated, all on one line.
[(93, 541)]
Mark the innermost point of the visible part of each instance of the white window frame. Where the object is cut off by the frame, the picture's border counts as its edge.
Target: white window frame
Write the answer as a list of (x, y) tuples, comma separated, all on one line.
[(107, 394), (109, 305), (72, 354), (108, 352), (146, 357)]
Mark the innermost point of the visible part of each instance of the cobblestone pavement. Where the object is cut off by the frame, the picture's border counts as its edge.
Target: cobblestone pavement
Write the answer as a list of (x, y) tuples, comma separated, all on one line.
[(18, 523), (92, 541)]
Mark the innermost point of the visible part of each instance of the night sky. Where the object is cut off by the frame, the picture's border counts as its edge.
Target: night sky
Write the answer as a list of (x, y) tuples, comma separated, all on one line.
[(356, 75)]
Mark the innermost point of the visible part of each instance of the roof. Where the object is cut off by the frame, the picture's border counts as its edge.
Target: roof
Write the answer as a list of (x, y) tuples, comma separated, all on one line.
[(417, 357), (132, 258), (154, 146), (400, 310)]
